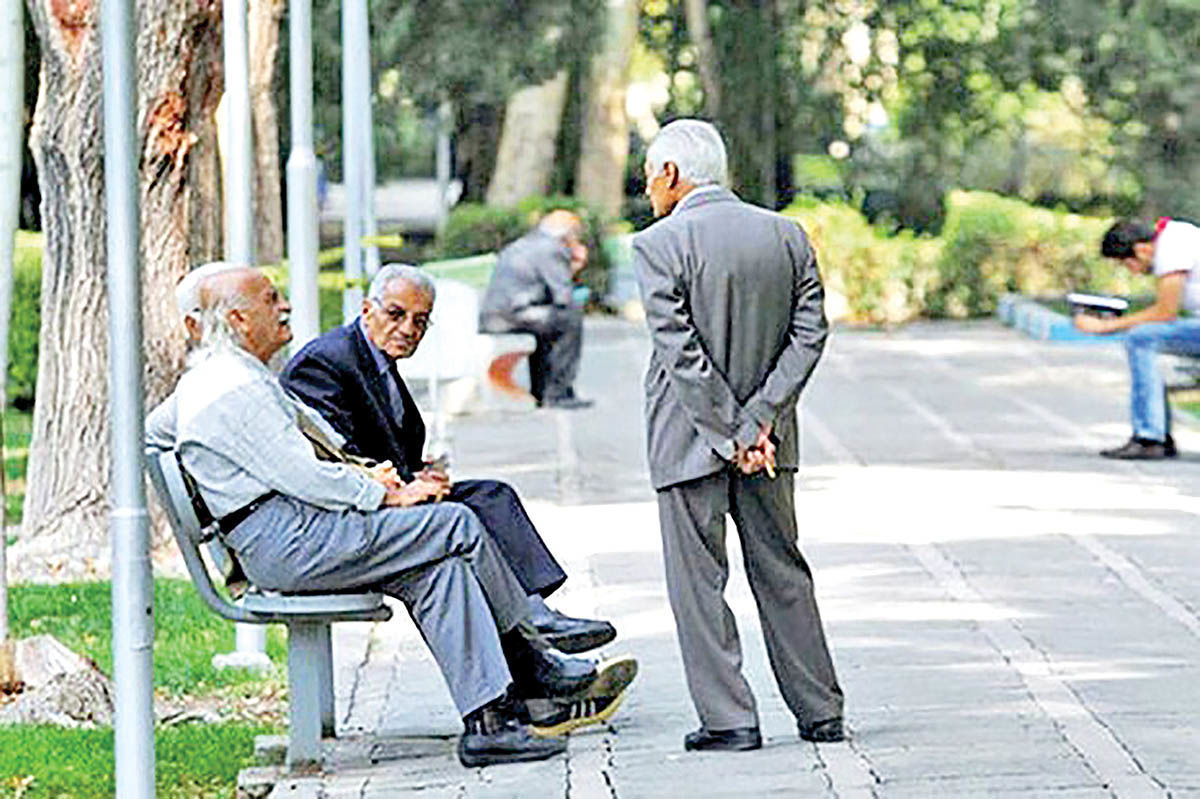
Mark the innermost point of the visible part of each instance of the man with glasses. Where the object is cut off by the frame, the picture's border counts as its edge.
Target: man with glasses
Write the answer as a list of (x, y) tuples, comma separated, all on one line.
[(349, 376)]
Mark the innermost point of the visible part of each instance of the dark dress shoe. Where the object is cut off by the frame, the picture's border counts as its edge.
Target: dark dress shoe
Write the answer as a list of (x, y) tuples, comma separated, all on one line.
[(741, 739), (494, 736), (565, 403), (827, 731), (571, 635), (1142, 449), (540, 671)]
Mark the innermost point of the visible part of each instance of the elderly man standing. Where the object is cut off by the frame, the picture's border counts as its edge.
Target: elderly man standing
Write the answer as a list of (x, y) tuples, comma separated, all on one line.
[(298, 524), (734, 306), (349, 376), (531, 291)]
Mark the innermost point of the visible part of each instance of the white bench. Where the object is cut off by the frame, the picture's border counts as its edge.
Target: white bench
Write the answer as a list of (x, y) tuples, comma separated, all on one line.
[(477, 369), (308, 617)]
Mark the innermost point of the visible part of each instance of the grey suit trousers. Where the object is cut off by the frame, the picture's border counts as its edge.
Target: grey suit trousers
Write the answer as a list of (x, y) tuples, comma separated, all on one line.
[(692, 519), (437, 559)]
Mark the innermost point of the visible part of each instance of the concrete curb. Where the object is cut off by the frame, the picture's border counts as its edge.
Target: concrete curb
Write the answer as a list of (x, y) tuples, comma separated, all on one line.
[(1037, 321)]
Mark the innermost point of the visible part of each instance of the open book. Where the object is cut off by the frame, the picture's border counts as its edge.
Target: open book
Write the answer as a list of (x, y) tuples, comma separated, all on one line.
[(1097, 304)]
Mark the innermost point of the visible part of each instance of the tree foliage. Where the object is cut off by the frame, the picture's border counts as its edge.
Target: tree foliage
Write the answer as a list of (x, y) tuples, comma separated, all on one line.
[(472, 52)]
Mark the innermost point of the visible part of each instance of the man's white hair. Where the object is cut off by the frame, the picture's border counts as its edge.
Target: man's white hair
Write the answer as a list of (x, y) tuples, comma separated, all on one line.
[(695, 147), (407, 272), (187, 291)]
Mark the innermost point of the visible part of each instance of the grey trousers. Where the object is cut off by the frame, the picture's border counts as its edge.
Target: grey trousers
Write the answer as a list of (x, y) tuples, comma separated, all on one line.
[(559, 333), (437, 559), (692, 518)]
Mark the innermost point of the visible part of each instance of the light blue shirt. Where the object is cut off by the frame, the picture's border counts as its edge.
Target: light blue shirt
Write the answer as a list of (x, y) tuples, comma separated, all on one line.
[(237, 434)]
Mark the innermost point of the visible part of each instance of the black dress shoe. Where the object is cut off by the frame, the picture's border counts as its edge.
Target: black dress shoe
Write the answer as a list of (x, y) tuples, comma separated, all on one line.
[(571, 635), (827, 731), (1142, 449), (741, 739), (540, 671), (565, 403), (493, 736)]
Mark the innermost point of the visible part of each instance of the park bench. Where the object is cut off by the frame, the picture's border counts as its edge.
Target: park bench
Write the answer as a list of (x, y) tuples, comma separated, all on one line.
[(308, 617)]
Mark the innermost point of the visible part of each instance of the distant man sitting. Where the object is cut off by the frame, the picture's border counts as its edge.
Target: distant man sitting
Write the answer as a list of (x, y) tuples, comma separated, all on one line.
[(349, 376), (301, 524), (1171, 252), (531, 292)]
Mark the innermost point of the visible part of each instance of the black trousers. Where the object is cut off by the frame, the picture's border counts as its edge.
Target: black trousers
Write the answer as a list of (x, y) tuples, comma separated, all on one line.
[(500, 511)]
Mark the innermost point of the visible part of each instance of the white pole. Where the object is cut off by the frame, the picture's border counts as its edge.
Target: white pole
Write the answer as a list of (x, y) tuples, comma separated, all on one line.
[(356, 92), (12, 112), (250, 639), (132, 585), (302, 180)]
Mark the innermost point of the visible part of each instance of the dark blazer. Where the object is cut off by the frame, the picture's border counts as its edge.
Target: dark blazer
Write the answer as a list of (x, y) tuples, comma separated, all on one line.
[(735, 310), (335, 375)]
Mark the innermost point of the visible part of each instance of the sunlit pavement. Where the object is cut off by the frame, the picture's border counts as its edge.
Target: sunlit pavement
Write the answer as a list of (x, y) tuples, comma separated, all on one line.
[(1010, 614)]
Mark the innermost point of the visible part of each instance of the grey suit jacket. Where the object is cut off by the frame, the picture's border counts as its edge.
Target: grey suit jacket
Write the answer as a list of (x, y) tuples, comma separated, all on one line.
[(735, 309), (533, 270)]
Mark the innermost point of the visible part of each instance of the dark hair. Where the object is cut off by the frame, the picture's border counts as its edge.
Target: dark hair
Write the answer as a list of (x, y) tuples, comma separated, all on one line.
[(1120, 238)]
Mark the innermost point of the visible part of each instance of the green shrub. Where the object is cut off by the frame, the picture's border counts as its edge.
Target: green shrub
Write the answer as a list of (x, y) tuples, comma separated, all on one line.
[(990, 245), (26, 319), (472, 229)]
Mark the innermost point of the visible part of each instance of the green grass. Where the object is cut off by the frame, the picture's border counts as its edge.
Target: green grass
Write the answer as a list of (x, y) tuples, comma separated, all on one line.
[(186, 633), (192, 761), (18, 426)]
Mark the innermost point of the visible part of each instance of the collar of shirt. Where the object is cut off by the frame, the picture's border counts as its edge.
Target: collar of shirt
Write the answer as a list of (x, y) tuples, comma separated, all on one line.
[(707, 188), (382, 362)]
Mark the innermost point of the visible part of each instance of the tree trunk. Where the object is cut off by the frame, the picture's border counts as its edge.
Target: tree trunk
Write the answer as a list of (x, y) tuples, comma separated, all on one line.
[(696, 14), (604, 151), (65, 532), (525, 160), (268, 205)]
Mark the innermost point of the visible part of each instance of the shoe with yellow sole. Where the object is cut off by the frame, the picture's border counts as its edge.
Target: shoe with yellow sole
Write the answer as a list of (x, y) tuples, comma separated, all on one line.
[(596, 705)]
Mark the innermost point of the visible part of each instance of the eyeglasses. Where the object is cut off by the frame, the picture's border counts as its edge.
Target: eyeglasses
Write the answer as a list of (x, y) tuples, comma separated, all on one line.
[(396, 315)]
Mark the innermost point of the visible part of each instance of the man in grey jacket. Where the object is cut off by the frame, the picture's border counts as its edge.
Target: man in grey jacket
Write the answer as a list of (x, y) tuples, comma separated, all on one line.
[(531, 291), (734, 304)]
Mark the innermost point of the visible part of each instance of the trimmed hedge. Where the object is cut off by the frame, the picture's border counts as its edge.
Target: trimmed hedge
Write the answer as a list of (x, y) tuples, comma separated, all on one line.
[(990, 245)]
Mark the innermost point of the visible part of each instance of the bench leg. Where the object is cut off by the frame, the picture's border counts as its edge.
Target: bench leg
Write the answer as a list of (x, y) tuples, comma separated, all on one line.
[(306, 642), (325, 680)]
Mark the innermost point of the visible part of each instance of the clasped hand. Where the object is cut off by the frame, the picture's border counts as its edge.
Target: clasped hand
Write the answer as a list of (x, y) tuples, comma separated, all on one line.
[(758, 456), (428, 485)]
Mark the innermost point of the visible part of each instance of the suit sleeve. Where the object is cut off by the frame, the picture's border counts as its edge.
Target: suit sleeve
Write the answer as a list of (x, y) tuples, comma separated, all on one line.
[(555, 271), (318, 383), (706, 397), (806, 339)]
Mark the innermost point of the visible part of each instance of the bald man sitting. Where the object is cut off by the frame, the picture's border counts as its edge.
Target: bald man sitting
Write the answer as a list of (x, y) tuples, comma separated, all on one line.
[(300, 524)]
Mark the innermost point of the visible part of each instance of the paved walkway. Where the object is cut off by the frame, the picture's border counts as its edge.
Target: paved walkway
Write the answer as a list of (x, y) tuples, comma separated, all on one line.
[(1010, 615)]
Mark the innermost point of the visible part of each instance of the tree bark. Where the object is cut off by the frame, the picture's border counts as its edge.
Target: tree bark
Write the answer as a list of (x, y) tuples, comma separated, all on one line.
[(604, 150), (268, 204), (65, 531), (525, 161), (696, 15)]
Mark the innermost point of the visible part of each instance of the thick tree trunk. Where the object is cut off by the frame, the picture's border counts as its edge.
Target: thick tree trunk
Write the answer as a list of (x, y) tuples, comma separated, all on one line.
[(696, 15), (178, 45), (268, 212), (525, 160), (604, 151)]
